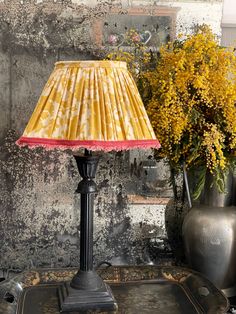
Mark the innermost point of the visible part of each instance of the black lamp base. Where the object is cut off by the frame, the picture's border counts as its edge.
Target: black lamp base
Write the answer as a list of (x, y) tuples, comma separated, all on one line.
[(86, 291), (82, 300)]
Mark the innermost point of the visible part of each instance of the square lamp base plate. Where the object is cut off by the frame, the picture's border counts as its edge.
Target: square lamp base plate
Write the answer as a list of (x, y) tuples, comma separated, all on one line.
[(81, 300)]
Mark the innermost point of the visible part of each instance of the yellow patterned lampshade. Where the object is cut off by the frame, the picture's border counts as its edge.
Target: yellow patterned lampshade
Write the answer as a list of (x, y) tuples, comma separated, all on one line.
[(90, 104)]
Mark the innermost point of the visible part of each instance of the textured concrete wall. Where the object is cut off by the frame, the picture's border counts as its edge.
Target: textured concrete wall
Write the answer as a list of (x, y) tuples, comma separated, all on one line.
[(39, 224)]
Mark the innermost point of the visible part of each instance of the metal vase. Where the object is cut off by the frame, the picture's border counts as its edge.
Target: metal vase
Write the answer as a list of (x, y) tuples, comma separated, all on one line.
[(209, 235)]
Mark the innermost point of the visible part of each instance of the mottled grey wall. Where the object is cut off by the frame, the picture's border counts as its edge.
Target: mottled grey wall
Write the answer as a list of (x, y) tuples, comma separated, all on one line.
[(39, 211), (39, 223)]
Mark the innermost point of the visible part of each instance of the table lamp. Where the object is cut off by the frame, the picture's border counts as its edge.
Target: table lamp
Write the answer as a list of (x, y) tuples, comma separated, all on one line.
[(94, 105)]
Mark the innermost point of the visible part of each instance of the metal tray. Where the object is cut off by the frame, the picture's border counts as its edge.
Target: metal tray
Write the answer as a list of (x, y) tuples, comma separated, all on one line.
[(140, 289)]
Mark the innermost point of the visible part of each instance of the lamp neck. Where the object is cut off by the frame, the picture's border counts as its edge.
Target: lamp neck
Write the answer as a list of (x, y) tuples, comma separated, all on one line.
[(87, 152)]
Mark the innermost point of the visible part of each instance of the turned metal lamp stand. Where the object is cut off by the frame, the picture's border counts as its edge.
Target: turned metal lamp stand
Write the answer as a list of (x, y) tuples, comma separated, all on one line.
[(87, 290), (94, 105)]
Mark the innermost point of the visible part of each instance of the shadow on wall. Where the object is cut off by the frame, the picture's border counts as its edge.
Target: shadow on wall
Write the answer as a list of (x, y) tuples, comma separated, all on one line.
[(175, 213)]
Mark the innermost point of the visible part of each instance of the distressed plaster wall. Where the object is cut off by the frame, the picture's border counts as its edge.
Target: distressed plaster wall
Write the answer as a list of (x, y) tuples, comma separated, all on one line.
[(197, 12), (39, 224)]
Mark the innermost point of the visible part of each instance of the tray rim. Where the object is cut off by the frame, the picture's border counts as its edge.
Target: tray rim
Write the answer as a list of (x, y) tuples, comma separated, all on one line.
[(161, 271)]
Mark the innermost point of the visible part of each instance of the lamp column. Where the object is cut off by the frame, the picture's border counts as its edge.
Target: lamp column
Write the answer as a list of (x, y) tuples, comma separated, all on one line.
[(86, 278), (87, 187)]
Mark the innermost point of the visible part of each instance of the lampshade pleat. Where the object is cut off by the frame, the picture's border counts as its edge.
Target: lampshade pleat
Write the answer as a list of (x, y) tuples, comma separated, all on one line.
[(70, 102), (139, 128), (121, 101), (64, 108), (79, 100), (102, 107), (126, 96), (113, 121), (90, 104), (116, 100), (99, 109), (128, 114)]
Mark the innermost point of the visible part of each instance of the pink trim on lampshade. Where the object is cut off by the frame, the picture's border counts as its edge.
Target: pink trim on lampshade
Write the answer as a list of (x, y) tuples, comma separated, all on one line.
[(91, 145)]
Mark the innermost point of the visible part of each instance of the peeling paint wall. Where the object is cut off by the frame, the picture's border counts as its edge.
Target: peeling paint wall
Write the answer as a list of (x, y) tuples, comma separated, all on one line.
[(39, 224)]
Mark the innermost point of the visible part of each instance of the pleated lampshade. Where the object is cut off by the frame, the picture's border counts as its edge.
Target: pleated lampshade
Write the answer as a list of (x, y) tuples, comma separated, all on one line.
[(90, 104)]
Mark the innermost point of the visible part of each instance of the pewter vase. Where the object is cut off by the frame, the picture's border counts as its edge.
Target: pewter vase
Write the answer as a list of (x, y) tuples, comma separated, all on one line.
[(209, 235)]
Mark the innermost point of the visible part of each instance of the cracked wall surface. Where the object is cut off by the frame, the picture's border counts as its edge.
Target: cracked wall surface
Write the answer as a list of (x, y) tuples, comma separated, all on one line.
[(39, 224)]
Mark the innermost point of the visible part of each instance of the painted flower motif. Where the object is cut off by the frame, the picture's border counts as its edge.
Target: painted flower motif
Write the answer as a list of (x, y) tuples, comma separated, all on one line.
[(113, 39)]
